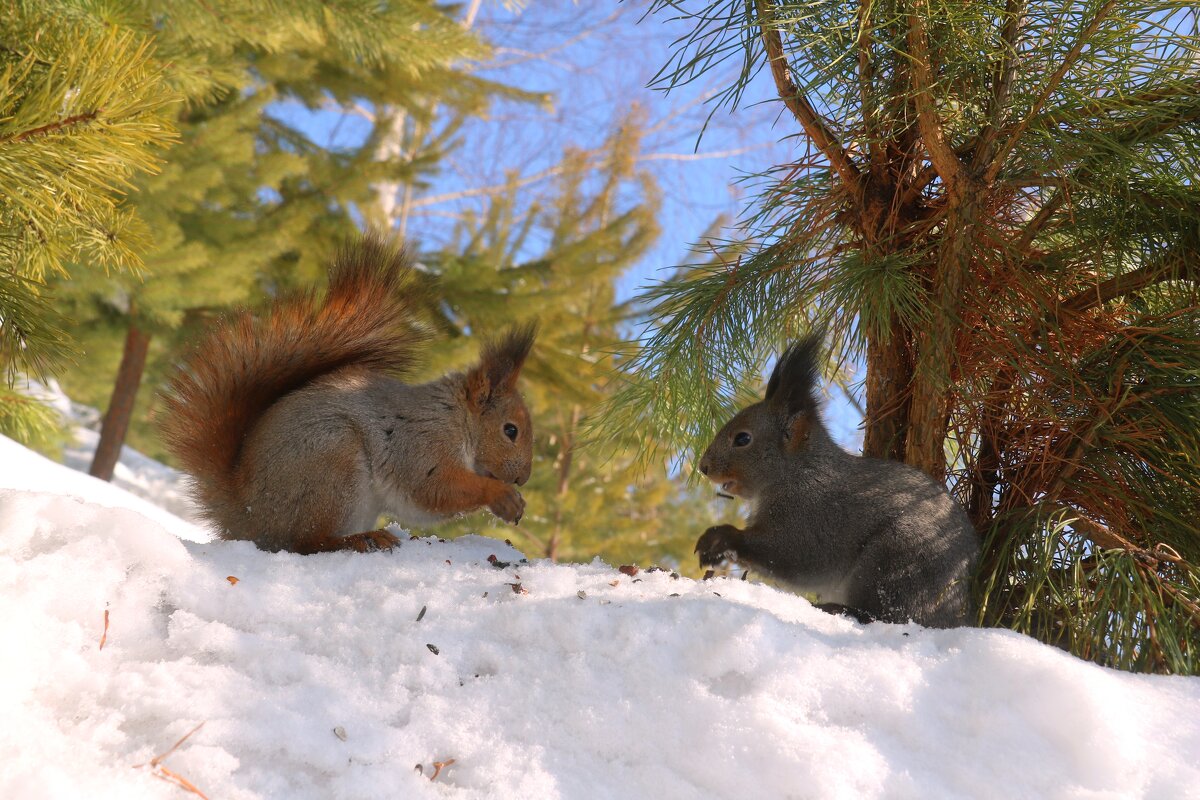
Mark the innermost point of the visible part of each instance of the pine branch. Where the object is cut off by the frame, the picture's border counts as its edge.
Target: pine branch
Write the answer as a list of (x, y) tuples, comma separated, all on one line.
[(1133, 105), (1106, 538), (1140, 129), (1175, 264), (866, 79), (1102, 535), (941, 154), (1002, 79), (53, 127), (1041, 219), (1085, 37), (815, 126)]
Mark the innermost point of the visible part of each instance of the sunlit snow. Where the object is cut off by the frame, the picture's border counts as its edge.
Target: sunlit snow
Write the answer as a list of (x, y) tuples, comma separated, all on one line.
[(350, 676)]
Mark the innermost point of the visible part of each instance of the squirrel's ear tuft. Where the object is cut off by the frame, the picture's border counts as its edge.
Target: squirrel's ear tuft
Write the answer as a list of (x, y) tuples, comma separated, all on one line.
[(501, 359), (793, 384)]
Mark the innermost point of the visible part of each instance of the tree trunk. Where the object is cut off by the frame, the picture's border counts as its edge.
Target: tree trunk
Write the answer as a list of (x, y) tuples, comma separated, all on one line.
[(120, 405), (933, 372), (888, 377)]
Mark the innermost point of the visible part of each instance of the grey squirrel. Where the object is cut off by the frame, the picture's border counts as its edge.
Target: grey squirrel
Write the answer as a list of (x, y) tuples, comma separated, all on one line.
[(873, 538), (298, 434)]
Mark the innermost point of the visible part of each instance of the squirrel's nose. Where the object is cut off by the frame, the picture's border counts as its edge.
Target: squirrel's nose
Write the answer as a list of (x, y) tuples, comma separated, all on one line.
[(703, 467)]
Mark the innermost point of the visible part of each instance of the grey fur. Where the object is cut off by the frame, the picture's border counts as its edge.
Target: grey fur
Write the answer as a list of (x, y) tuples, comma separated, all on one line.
[(351, 443), (877, 536)]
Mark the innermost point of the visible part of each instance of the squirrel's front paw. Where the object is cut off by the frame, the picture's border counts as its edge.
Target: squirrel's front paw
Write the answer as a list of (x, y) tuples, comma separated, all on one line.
[(509, 506), (717, 544)]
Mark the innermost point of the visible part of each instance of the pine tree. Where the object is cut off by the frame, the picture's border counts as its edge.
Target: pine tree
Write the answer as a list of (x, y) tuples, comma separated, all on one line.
[(998, 213), (556, 259), (84, 109), (248, 202)]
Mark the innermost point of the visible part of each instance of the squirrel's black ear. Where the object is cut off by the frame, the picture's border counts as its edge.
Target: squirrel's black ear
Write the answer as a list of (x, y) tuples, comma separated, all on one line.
[(501, 360), (793, 385)]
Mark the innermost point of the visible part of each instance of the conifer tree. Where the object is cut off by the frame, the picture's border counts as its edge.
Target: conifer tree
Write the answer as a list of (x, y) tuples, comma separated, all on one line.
[(557, 260), (249, 202), (998, 214), (84, 109)]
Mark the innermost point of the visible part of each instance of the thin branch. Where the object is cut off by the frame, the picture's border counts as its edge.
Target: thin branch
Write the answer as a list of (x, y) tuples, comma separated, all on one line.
[(1002, 79), (736, 151), (1068, 61), (1037, 181), (1101, 535), (357, 108), (1175, 264), (676, 111), (1039, 221), (926, 176), (469, 16), (866, 78), (941, 154), (814, 124), (551, 172), (524, 56), (53, 127)]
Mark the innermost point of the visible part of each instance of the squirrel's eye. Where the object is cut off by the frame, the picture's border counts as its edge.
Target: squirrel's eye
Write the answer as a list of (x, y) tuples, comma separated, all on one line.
[(510, 431), (741, 439)]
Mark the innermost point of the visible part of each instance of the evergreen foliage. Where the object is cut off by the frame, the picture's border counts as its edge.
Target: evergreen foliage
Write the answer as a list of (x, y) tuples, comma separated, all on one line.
[(84, 109), (558, 262), (997, 212), (248, 204)]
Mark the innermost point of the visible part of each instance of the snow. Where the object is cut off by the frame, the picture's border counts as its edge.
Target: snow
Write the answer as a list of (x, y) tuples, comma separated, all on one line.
[(313, 678), (134, 472)]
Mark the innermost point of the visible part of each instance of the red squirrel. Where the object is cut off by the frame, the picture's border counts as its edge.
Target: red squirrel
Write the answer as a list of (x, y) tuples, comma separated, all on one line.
[(298, 434)]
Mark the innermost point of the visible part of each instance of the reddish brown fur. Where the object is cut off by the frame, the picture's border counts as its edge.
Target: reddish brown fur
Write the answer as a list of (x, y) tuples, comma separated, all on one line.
[(491, 393), (456, 490), (501, 359), (243, 366)]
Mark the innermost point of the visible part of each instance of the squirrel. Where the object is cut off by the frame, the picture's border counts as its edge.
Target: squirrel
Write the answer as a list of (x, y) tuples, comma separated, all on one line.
[(876, 539), (298, 434)]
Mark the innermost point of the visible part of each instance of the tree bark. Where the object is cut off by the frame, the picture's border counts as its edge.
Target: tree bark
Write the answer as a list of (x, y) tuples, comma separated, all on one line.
[(888, 377), (933, 371), (120, 405)]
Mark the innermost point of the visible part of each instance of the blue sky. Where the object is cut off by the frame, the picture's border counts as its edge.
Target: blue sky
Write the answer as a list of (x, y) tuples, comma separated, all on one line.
[(595, 60)]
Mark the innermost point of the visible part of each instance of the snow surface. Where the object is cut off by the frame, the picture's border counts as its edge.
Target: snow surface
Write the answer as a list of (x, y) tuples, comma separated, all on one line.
[(135, 472), (319, 677)]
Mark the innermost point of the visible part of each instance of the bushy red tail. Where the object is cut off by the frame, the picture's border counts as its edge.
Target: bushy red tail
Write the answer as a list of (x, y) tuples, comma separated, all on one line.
[(245, 363)]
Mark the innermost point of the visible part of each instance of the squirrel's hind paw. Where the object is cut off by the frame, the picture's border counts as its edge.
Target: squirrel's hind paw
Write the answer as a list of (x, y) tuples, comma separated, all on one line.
[(369, 541)]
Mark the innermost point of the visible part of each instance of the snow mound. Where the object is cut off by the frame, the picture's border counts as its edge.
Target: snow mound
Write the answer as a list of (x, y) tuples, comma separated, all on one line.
[(334, 676), (134, 472), (21, 468)]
